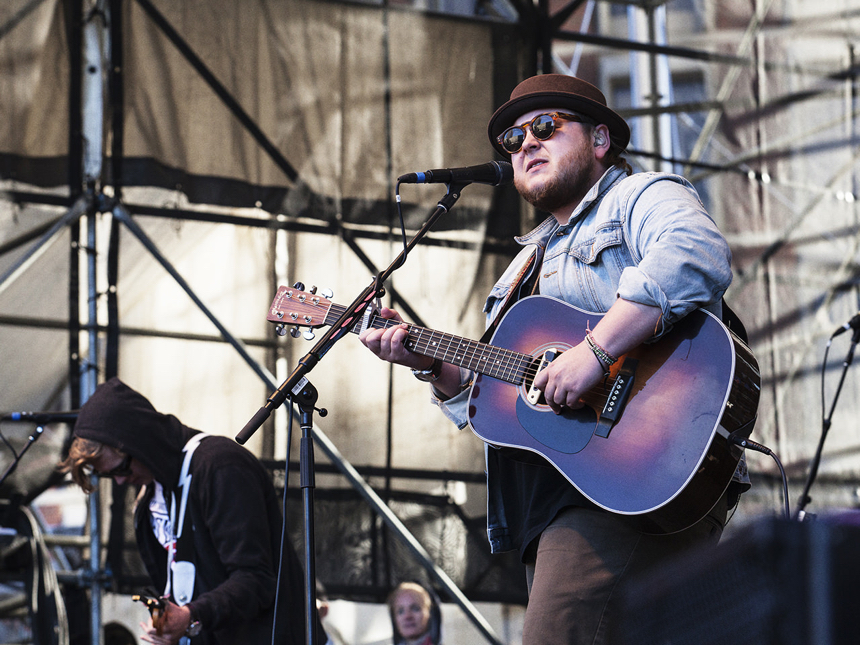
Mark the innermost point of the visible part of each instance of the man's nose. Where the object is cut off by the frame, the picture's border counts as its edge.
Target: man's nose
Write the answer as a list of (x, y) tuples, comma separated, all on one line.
[(530, 140)]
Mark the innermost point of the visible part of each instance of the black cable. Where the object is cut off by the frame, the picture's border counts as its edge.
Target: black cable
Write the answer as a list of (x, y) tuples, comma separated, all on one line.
[(826, 420), (398, 201), (284, 521), (754, 445), (11, 447)]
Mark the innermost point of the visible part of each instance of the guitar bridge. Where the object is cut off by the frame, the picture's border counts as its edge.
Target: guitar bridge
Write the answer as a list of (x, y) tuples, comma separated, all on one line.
[(534, 395), (617, 397)]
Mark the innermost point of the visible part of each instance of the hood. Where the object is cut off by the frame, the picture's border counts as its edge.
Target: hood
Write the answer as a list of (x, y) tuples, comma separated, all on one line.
[(120, 417)]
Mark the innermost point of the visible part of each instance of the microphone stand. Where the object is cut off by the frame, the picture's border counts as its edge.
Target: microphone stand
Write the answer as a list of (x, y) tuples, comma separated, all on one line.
[(33, 437), (816, 460), (298, 385), (306, 399)]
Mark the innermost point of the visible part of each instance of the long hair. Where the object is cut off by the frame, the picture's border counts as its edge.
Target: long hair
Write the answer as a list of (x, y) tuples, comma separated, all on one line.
[(614, 157), (82, 453)]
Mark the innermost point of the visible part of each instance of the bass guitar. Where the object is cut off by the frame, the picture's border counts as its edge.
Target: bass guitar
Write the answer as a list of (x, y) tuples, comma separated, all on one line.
[(653, 440)]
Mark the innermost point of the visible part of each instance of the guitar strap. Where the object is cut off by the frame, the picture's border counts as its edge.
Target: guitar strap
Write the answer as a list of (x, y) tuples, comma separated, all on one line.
[(525, 282), (181, 571)]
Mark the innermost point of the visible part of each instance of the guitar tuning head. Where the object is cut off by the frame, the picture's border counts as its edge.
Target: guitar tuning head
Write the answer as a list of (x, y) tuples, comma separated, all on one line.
[(299, 285), (313, 289), (327, 293), (281, 330), (309, 334), (295, 332)]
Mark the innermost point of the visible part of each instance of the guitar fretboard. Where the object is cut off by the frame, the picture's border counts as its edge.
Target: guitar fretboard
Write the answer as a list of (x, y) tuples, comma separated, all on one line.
[(497, 362)]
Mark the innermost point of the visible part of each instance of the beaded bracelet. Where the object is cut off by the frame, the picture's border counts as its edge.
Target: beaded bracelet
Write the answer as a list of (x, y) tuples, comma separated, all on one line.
[(602, 355)]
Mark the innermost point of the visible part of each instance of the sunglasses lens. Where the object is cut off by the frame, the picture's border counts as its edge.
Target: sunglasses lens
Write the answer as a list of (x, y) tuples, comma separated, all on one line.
[(543, 127), (512, 139)]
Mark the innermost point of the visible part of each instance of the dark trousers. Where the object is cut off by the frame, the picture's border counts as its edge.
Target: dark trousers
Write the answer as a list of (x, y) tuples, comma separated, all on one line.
[(580, 564)]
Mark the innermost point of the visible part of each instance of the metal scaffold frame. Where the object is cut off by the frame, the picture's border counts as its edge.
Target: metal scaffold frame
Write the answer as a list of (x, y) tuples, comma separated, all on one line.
[(96, 45)]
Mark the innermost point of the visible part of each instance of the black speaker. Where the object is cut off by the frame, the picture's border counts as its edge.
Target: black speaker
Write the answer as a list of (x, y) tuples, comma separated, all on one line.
[(775, 582)]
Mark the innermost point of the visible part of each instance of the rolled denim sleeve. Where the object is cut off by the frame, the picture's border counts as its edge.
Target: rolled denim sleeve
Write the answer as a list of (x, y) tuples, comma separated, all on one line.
[(684, 261), (456, 409)]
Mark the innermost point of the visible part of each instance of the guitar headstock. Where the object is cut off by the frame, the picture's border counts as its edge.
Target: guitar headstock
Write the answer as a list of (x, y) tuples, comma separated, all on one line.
[(298, 308), (157, 611)]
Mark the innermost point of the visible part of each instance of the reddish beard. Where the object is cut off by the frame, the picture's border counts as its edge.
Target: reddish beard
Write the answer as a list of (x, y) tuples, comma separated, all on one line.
[(566, 187)]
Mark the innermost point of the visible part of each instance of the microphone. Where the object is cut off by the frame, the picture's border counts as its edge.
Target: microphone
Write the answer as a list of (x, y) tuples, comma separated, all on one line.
[(67, 416), (494, 173), (854, 323)]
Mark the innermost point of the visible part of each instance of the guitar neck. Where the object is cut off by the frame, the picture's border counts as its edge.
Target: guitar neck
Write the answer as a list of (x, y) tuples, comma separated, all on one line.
[(496, 362)]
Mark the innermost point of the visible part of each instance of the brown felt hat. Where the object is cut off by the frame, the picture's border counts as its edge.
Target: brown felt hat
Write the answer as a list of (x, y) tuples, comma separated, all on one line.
[(557, 91)]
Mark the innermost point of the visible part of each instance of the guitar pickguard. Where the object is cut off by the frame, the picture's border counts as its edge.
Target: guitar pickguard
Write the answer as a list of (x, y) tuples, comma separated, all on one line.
[(568, 432), (540, 429)]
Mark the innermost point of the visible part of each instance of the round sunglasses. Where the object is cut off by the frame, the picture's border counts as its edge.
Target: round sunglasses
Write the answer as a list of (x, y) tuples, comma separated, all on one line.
[(542, 126)]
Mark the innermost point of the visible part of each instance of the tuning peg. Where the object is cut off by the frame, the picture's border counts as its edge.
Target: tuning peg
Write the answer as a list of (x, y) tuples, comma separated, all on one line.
[(281, 330), (299, 285), (314, 289), (327, 293), (295, 332), (309, 334)]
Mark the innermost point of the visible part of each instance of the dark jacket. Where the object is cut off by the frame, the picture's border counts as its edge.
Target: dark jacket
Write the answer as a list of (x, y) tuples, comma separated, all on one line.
[(234, 515)]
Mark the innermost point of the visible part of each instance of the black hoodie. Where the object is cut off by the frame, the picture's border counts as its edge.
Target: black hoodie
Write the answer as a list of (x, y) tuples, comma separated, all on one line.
[(234, 515)]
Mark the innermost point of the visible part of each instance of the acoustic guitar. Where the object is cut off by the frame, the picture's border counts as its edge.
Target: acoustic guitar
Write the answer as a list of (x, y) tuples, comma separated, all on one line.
[(655, 440)]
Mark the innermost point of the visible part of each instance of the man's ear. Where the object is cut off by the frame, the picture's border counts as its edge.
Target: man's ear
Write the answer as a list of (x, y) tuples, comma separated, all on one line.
[(601, 140), (601, 135)]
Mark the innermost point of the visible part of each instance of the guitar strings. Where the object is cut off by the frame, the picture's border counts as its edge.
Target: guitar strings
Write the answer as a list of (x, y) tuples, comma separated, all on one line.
[(504, 364), (501, 363)]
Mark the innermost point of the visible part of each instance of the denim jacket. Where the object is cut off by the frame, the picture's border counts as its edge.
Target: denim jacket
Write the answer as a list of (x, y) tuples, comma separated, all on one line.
[(645, 238)]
